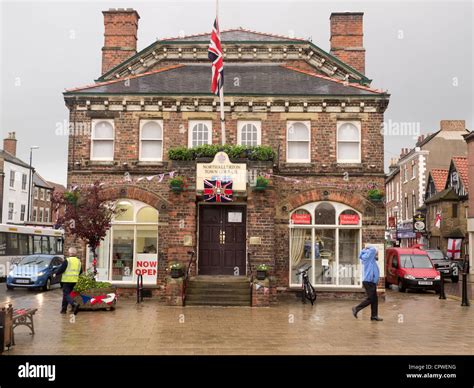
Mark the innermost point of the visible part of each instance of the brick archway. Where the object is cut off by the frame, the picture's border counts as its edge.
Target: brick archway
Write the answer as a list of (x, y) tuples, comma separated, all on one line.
[(136, 193)]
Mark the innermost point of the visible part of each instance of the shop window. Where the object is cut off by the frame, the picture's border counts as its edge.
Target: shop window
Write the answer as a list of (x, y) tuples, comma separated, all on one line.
[(102, 147), (298, 142), (301, 251), (249, 133), (348, 256), (147, 214), (325, 214), (348, 142), (151, 140), (199, 133), (124, 211)]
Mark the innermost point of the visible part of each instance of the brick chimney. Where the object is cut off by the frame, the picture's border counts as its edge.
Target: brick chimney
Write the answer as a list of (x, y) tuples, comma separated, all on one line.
[(452, 125), (347, 39), (9, 143), (120, 36)]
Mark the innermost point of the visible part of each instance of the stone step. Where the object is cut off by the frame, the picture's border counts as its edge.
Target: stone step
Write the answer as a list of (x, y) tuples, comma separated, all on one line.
[(208, 285), (215, 297), (218, 291), (217, 303), (219, 279)]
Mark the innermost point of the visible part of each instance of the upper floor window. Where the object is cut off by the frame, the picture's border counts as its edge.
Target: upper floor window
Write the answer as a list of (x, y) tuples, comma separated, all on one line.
[(249, 133), (199, 133), (46, 215), (36, 193), (24, 178), (413, 170), (48, 195), (151, 140), (41, 194), (348, 142), (12, 179), (298, 142), (102, 147), (11, 210), (22, 212)]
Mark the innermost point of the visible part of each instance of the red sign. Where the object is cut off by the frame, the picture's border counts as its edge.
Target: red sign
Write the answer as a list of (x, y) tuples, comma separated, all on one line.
[(391, 222), (349, 219), (300, 219)]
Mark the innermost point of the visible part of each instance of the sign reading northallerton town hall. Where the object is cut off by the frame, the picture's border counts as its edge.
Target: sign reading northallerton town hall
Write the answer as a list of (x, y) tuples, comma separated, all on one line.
[(314, 109)]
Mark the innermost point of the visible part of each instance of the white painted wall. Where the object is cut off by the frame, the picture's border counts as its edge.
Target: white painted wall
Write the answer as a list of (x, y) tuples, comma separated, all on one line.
[(15, 194)]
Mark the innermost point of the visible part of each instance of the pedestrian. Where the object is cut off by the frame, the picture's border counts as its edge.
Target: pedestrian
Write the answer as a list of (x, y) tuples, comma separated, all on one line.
[(368, 257), (71, 268)]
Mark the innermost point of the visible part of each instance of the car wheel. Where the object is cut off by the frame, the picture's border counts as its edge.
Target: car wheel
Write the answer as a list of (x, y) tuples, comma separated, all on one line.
[(455, 279), (401, 286), (47, 285), (10, 288)]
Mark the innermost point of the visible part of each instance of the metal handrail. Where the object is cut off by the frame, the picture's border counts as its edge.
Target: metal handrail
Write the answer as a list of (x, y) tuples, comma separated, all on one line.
[(186, 274)]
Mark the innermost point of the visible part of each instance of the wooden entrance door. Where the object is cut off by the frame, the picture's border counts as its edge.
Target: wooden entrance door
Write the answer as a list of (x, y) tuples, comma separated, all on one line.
[(222, 240)]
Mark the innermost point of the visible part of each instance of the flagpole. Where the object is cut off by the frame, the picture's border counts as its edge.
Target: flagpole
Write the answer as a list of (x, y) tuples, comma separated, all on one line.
[(221, 90)]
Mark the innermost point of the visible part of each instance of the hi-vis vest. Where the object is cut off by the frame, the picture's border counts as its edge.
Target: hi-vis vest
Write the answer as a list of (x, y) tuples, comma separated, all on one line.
[(71, 275)]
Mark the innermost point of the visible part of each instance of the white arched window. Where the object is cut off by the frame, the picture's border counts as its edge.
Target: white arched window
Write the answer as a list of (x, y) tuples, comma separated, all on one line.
[(132, 238), (326, 236), (151, 140), (348, 142), (199, 133), (298, 137), (102, 140), (249, 133)]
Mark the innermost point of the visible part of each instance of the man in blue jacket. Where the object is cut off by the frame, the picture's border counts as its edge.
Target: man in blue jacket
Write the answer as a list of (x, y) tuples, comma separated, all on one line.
[(368, 257)]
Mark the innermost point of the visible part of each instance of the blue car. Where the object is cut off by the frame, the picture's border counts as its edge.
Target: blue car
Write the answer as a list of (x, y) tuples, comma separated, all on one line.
[(35, 271)]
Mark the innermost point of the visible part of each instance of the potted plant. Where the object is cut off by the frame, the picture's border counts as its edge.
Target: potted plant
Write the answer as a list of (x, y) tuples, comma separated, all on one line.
[(375, 195), (177, 183), (261, 183), (93, 295), (177, 270), (262, 270)]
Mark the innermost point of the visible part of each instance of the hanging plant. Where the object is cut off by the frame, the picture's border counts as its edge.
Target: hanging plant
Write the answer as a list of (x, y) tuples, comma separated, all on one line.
[(177, 184), (261, 183), (375, 195)]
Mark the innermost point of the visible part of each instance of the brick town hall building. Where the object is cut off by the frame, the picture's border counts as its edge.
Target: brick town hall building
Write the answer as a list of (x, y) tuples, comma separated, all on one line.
[(316, 110)]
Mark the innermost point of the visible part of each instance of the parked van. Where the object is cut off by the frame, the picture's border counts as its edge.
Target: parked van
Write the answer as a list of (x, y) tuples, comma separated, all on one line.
[(411, 268)]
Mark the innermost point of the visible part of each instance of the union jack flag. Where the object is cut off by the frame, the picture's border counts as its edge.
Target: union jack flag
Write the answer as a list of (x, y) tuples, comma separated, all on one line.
[(217, 191), (215, 55)]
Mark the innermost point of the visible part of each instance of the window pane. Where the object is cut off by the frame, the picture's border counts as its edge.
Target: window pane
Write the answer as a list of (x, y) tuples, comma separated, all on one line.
[(298, 150), (325, 214), (36, 244), (347, 151), (44, 245), (298, 131), (147, 214), (348, 132), (122, 253), (325, 256), (23, 244), (103, 130), (300, 252), (348, 257), (151, 149), (152, 130), (200, 134), (125, 210), (103, 149), (249, 135)]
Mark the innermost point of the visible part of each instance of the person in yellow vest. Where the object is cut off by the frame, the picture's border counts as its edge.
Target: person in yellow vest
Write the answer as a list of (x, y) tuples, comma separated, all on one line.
[(70, 269)]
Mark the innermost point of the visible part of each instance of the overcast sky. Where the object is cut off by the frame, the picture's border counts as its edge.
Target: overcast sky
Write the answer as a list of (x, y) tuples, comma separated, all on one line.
[(421, 52)]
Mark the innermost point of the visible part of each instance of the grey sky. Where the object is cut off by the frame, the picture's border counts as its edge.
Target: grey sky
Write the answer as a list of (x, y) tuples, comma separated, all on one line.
[(422, 52)]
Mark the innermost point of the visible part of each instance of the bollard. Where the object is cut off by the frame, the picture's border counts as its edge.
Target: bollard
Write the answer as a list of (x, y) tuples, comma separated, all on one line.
[(139, 288), (465, 299), (442, 294)]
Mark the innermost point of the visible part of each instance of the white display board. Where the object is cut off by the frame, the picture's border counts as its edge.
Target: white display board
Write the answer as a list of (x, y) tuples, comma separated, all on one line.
[(147, 265)]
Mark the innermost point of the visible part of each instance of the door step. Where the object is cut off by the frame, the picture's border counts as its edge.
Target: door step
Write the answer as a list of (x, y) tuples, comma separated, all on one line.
[(218, 291)]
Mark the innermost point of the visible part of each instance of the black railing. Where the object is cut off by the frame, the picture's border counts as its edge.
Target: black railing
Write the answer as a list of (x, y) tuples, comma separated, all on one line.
[(187, 273), (139, 288), (249, 267)]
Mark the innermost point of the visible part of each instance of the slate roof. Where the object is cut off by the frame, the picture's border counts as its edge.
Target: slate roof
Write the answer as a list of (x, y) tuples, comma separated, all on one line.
[(236, 35), (38, 180), (439, 176), (253, 79), (445, 195), (13, 159)]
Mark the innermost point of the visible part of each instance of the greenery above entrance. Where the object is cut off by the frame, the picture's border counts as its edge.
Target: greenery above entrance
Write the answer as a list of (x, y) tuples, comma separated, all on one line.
[(260, 153)]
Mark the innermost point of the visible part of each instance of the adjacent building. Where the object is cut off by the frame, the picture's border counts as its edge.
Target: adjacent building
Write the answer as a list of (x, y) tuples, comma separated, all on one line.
[(41, 208), (315, 109)]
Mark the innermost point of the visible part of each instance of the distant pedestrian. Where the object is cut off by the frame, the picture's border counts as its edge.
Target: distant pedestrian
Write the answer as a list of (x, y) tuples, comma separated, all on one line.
[(368, 257), (71, 268)]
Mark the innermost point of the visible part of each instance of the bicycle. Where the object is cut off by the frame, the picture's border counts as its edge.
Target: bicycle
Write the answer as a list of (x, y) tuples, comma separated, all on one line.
[(308, 291)]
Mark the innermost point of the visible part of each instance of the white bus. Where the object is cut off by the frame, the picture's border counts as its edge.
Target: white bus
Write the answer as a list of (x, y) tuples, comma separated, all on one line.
[(18, 241)]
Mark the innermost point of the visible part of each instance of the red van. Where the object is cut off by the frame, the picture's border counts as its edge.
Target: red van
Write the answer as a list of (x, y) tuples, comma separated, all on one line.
[(410, 268)]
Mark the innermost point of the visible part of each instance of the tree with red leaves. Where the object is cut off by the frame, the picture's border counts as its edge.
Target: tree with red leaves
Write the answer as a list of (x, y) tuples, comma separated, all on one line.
[(87, 215)]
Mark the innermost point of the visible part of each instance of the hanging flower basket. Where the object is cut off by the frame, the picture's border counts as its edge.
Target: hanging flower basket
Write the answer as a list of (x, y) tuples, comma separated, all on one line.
[(375, 195), (261, 184), (177, 184), (262, 271), (176, 270)]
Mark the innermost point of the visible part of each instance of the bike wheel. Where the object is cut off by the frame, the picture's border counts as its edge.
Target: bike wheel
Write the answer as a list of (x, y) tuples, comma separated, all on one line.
[(310, 293)]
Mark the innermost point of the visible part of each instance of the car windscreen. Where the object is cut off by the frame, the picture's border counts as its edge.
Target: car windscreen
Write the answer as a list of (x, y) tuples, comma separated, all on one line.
[(415, 261), (36, 261), (435, 255)]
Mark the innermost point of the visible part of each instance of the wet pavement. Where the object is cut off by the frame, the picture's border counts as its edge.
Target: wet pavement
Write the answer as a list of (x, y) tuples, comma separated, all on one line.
[(414, 323)]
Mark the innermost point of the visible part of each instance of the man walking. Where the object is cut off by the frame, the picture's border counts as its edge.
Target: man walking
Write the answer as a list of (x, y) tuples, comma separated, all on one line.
[(368, 257), (71, 268)]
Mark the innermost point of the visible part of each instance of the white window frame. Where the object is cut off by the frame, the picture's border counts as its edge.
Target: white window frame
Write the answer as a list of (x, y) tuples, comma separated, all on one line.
[(94, 122), (11, 213), (242, 123), (288, 126), (47, 195), (41, 194), (358, 125), (12, 176), (40, 215), (35, 214), (46, 215), (36, 192), (192, 123), (24, 179), (22, 212), (142, 124)]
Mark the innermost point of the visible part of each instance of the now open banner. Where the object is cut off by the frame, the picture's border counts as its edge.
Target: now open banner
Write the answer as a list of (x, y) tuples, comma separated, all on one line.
[(147, 265)]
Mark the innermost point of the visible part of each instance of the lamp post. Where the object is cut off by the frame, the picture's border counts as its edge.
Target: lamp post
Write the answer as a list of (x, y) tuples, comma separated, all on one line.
[(31, 181)]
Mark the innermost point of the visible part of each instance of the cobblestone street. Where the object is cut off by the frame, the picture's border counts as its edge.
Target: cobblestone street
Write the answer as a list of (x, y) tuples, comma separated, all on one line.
[(414, 324)]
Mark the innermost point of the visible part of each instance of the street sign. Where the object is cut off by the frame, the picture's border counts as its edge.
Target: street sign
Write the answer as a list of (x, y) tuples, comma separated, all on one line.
[(419, 223)]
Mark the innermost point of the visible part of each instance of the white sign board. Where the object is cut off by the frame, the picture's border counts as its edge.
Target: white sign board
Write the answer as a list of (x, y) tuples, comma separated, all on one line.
[(234, 217), (222, 169), (147, 265)]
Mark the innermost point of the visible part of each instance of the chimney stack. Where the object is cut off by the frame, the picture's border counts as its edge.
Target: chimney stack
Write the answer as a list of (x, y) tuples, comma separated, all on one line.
[(453, 125), (120, 36), (347, 39), (9, 143)]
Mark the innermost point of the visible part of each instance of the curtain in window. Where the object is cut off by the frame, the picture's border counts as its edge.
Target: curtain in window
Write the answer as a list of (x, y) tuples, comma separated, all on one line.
[(297, 246)]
